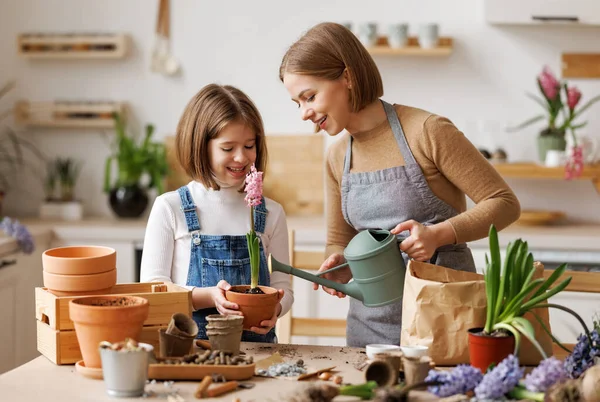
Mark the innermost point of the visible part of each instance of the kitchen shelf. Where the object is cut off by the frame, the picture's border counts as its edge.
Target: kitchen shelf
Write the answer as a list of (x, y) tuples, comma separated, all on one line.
[(72, 46), (444, 48), (67, 114), (529, 170)]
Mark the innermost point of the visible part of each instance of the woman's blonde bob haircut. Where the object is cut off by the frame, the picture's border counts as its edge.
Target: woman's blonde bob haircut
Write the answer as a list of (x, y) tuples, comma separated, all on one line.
[(326, 51), (206, 114)]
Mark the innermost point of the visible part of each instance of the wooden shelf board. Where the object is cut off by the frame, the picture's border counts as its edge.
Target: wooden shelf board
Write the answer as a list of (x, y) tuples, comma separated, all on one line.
[(52, 114), (119, 41), (534, 171), (444, 48), (91, 54), (71, 123)]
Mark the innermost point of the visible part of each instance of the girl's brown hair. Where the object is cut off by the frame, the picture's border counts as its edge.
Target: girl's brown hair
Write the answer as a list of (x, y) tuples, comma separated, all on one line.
[(326, 51), (206, 114)]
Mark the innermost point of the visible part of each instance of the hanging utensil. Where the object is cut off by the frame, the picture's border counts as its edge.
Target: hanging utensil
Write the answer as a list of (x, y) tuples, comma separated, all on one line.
[(163, 61)]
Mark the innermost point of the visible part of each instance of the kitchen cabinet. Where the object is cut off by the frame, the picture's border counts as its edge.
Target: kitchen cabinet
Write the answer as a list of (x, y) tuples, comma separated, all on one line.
[(19, 276), (536, 12)]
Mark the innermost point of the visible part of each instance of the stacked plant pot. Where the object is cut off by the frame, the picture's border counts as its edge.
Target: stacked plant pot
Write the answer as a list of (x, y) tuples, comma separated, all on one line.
[(79, 270), (178, 338), (225, 332)]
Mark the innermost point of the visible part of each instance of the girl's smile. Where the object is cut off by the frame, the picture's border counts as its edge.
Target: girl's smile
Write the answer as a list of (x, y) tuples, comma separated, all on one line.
[(232, 152)]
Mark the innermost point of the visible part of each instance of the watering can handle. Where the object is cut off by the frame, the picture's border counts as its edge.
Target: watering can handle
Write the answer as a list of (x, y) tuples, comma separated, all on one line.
[(332, 269)]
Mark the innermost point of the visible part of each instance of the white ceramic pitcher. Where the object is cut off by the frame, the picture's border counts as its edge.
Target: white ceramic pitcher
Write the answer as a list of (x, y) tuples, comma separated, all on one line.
[(590, 148)]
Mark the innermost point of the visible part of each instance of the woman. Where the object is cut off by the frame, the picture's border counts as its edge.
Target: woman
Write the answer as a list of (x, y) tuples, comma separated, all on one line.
[(397, 168)]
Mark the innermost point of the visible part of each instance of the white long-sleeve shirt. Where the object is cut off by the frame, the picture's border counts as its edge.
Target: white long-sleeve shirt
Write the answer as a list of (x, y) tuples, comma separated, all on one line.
[(167, 242)]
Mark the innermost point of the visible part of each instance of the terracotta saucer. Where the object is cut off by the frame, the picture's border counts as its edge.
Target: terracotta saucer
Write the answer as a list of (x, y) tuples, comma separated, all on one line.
[(88, 372)]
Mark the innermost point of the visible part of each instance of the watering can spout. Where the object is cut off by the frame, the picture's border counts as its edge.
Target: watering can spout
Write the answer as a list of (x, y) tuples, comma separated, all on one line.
[(351, 289)]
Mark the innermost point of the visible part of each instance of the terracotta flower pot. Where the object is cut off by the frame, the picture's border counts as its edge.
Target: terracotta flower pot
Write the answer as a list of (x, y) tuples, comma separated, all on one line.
[(485, 350), (77, 284), (106, 318), (79, 260), (254, 307)]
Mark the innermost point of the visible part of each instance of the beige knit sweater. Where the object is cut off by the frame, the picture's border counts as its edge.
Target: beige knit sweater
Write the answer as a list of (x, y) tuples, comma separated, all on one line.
[(452, 166)]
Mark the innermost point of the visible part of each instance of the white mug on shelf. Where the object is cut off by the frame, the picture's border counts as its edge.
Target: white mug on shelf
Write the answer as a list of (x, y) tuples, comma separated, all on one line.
[(398, 35), (555, 158), (367, 34), (589, 146), (429, 35)]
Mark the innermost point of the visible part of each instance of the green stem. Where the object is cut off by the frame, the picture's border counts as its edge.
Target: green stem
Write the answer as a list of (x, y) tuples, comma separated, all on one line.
[(524, 394), (568, 310)]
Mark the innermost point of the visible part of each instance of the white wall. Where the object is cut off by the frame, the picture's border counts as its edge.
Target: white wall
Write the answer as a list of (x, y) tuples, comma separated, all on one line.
[(241, 43)]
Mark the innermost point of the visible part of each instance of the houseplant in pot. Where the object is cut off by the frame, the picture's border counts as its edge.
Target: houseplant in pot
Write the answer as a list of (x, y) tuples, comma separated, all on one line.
[(511, 292), (257, 303), (127, 194), (60, 200), (560, 114)]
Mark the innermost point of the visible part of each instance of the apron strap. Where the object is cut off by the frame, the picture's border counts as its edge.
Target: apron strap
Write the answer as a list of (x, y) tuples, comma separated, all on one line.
[(189, 209), (260, 217), (394, 121)]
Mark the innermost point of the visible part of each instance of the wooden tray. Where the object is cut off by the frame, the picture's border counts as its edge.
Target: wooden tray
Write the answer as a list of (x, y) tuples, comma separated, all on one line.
[(198, 371), (540, 218)]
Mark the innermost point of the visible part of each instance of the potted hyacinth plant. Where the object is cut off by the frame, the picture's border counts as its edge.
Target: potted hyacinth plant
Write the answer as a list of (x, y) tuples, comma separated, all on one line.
[(256, 302), (511, 292)]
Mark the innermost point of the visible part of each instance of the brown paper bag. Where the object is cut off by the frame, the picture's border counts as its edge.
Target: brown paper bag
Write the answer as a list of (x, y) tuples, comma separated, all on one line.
[(441, 304)]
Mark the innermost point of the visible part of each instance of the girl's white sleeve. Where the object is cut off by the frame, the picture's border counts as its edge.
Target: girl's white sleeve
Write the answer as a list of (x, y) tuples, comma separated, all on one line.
[(159, 243), (279, 248)]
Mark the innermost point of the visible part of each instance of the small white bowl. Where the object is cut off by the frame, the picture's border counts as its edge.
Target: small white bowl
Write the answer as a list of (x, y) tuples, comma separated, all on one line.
[(375, 348), (415, 351)]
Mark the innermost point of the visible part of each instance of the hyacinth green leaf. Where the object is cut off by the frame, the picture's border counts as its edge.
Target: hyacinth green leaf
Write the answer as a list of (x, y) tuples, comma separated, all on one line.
[(504, 278), (526, 123), (514, 305), (529, 268), (586, 106), (547, 330), (512, 330), (545, 296), (524, 326), (492, 279), (558, 272)]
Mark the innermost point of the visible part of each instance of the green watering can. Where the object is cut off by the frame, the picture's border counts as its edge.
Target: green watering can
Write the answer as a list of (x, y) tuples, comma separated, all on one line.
[(377, 269)]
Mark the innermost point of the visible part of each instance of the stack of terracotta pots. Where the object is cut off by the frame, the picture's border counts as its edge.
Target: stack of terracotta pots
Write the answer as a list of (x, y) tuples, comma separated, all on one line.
[(225, 332), (80, 270)]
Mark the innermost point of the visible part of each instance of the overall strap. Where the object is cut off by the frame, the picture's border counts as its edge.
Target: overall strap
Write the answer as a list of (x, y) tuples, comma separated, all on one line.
[(348, 156), (260, 216), (394, 121), (189, 209)]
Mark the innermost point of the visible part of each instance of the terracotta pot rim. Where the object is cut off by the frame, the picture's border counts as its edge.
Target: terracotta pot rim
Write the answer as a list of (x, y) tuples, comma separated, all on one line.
[(79, 276), (50, 253), (267, 289), (476, 332), (80, 302)]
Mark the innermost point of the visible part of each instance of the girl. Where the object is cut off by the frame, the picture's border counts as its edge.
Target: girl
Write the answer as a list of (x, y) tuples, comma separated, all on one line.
[(196, 235), (397, 168)]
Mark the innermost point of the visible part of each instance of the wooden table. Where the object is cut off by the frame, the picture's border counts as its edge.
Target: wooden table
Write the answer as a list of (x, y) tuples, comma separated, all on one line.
[(40, 379)]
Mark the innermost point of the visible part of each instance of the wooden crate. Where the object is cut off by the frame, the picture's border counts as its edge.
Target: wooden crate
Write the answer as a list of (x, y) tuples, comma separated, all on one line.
[(56, 337)]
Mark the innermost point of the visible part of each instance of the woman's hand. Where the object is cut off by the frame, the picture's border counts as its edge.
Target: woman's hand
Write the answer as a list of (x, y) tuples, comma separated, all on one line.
[(266, 325), (224, 306), (342, 275), (424, 240)]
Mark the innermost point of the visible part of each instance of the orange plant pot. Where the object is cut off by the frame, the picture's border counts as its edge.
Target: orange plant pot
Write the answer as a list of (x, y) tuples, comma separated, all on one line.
[(79, 260), (80, 283), (254, 307), (485, 350), (95, 320)]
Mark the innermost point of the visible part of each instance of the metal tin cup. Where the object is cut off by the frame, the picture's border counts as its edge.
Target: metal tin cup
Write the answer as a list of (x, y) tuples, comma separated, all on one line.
[(125, 372)]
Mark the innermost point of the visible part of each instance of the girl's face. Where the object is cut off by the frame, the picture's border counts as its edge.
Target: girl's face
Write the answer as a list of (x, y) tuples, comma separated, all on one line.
[(232, 152), (324, 102)]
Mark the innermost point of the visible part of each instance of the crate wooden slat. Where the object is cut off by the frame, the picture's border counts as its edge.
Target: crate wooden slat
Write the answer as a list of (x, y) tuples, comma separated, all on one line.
[(54, 310), (62, 347), (444, 48), (73, 46), (67, 114)]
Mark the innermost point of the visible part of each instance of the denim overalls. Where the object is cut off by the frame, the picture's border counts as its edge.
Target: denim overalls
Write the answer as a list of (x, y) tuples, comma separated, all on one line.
[(214, 258)]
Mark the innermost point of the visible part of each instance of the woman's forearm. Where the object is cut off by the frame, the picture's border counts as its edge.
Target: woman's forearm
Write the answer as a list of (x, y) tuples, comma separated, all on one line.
[(203, 297)]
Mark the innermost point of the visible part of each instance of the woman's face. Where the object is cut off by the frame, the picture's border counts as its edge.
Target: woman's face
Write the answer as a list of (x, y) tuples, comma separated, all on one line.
[(232, 152), (324, 102)]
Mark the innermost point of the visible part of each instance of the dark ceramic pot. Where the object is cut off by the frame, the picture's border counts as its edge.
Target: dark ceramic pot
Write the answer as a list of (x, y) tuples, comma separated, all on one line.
[(128, 201)]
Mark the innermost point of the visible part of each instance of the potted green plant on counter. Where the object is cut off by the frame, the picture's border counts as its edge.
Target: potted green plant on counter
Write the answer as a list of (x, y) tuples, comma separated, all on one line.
[(511, 292), (60, 200), (134, 162)]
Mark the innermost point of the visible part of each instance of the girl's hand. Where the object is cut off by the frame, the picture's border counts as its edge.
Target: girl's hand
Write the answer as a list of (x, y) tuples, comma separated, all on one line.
[(266, 325), (424, 240), (342, 275), (224, 306)]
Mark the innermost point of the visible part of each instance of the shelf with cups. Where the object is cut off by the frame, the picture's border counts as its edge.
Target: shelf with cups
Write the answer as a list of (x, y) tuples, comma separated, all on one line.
[(530, 170), (412, 48), (72, 45), (67, 114)]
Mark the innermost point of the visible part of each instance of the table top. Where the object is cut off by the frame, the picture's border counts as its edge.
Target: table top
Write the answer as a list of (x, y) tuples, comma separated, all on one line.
[(40, 379)]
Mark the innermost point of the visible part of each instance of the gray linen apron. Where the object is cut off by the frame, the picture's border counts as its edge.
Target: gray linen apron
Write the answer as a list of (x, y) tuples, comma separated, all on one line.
[(381, 200)]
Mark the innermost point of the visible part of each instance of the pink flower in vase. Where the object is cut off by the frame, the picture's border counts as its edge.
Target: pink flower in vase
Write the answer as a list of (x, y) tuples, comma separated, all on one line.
[(574, 165), (573, 97), (549, 83)]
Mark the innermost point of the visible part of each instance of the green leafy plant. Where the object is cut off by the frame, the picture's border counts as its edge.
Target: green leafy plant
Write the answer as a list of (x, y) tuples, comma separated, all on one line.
[(65, 172), (133, 160), (512, 292)]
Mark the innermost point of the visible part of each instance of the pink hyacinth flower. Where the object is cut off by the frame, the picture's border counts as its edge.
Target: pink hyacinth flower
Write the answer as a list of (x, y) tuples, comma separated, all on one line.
[(573, 97), (574, 166), (549, 83), (254, 187)]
